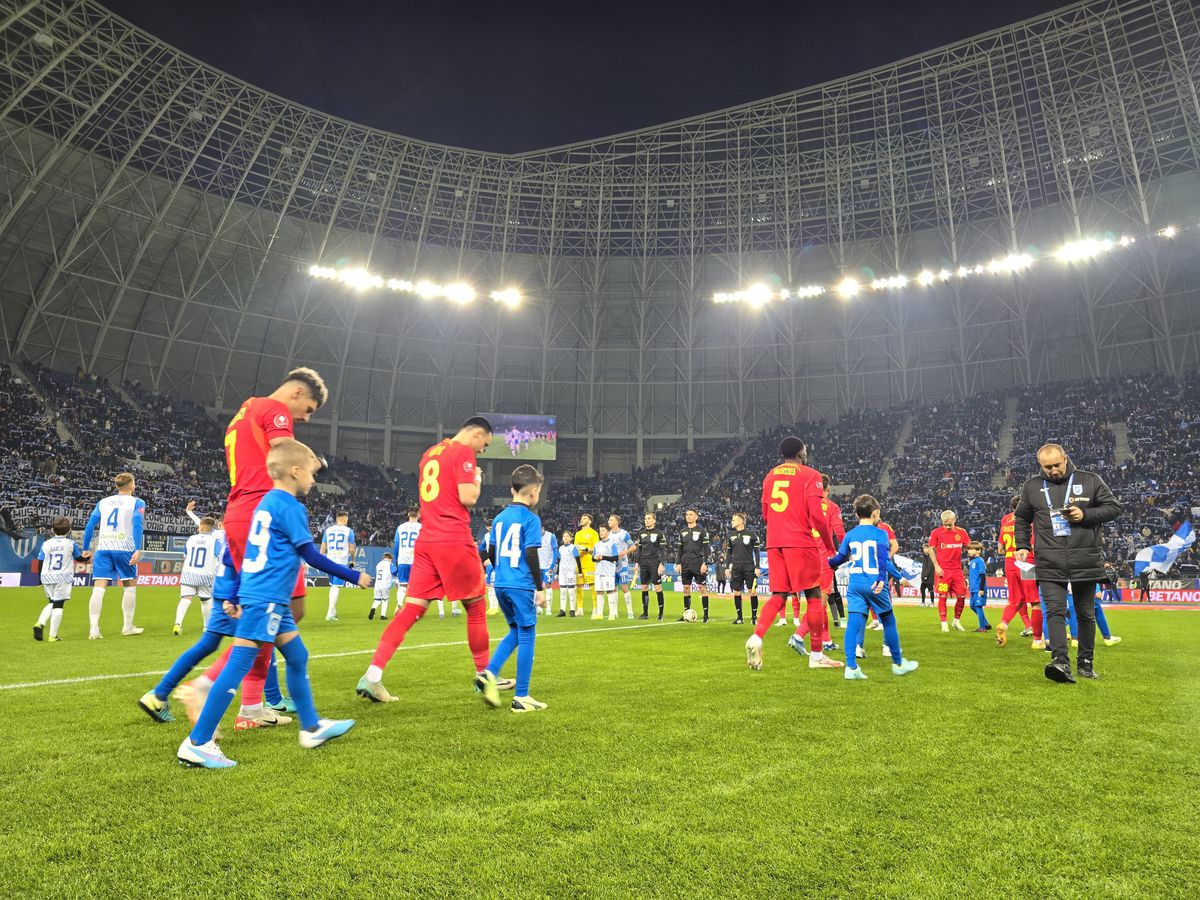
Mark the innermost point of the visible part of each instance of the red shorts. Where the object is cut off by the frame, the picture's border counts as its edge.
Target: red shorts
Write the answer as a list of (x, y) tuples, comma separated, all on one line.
[(445, 570), (826, 579), (951, 582), (237, 529), (1020, 590), (794, 570)]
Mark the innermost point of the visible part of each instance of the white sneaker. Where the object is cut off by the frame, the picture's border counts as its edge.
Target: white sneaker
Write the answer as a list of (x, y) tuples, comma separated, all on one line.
[(821, 661), (327, 730), (754, 652), (131, 631), (782, 621), (331, 618), (95, 636), (860, 653), (945, 628), (887, 652), (1110, 641), (527, 704), (958, 626), (203, 756)]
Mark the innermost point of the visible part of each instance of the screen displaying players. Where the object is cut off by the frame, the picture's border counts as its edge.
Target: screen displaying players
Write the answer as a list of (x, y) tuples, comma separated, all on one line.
[(521, 437)]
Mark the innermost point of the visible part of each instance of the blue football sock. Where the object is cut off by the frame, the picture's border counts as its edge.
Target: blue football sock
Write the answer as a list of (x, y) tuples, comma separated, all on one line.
[(271, 691), (1071, 618), (295, 654), (222, 693), (1102, 622), (525, 636), (983, 622), (856, 630), (503, 651), (891, 636), (187, 661)]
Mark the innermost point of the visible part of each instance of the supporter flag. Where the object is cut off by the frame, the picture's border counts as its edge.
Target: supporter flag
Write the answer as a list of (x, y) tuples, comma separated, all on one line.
[(911, 569), (1160, 557)]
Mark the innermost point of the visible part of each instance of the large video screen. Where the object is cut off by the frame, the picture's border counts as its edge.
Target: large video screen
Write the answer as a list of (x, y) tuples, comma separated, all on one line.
[(521, 437)]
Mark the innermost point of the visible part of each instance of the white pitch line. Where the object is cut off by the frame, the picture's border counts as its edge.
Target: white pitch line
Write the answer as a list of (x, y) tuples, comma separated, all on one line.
[(85, 679)]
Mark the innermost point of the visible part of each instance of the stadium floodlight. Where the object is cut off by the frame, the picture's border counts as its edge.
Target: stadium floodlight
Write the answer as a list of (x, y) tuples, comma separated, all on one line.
[(399, 284), (510, 297), (963, 271), (757, 295), (722, 297), (848, 287), (945, 275), (322, 271), (892, 283), (359, 279), (925, 279), (1169, 232), (427, 289), (809, 290), (459, 292), (1076, 251), (1126, 240), (1011, 264)]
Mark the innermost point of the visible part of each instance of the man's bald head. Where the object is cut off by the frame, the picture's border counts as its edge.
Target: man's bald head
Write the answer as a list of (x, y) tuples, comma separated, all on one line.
[(1053, 460)]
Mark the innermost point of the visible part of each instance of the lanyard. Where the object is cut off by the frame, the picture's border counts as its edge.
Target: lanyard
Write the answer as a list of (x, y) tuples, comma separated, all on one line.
[(1066, 495)]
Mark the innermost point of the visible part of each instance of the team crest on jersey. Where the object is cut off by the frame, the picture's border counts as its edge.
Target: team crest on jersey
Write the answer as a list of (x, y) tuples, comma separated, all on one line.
[(1077, 489), (746, 539), (281, 421), (695, 535), (468, 466), (653, 538)]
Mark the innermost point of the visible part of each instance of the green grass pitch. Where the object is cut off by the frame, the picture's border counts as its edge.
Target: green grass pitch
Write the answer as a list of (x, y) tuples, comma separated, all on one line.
[(538, 449), (663, 768)]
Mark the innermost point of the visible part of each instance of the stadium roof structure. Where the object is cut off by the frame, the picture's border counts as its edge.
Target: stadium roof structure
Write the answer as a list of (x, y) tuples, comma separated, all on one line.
[(160, 217)]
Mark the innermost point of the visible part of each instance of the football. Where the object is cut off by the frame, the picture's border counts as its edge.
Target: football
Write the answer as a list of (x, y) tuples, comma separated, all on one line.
[(689, 615)]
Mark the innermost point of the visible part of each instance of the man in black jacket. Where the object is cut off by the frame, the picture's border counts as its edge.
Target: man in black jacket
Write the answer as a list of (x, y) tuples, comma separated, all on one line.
[(928, 571), (1065, 509)]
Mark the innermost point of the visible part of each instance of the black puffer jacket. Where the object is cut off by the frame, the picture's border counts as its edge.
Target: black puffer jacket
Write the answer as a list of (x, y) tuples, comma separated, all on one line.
[(1078, 556)]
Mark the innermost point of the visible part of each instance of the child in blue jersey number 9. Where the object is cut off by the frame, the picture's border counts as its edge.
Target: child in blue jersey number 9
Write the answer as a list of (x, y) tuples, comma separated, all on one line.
[(278, 541), (515, 539), (867, 547)]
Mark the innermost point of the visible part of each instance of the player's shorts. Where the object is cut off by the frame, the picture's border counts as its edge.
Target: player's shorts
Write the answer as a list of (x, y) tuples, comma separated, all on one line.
[(648, 574), (951, 582), (1020, 590), (403, 573), (517, 606), (587, 568), (606, 583), (338, 582), (794, 570), (826, 580), (548, 578), (57, 591), (113, 565), (203, 591), (265, 621), (237, 529), (566, 581), (861, 600), (624, 575), (383, 593), (742, 580), (688, 577), (450, 570), (219, 622)]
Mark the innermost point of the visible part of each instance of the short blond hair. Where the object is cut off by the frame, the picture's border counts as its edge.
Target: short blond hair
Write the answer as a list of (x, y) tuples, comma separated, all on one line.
[(284, 455), (123, 479), (311, 380)]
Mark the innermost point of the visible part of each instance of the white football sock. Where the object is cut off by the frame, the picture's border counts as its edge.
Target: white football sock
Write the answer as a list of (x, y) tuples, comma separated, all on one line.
[(333, 599), (128, 605), (55, 621), (253, 711), (374, 674), (441, 607), (628, 603), (185, 604), (45, 614), (95, 605), (205, 611)]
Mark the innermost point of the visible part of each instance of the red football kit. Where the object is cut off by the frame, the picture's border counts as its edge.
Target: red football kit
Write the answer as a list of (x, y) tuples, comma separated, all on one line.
[(1020, 591), (836, 531), (948, 545)]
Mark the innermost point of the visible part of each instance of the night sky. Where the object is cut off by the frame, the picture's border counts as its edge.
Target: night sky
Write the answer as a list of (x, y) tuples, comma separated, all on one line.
[(525, 75)]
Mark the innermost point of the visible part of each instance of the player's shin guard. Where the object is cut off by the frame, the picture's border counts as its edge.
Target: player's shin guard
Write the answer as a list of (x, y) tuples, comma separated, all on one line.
[(128, 606), (856, 630), (815, 617), (56, 615), (612, 605), (95, 606), (891, 635), (333, 602), (769, 611), (44, 616), (222, 693), (271, 692), (185, 604), (1023, 612), (295, 654), (504, 649), (397, 628), (477, 634), (959, 604), (256, 678), (942, 607), (628, 612), (189, 658), (1038, 615), (525, 640), (205, 611)]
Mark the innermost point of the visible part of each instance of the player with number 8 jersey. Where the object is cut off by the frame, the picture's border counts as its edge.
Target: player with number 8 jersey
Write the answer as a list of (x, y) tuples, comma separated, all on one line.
[(446, 562)]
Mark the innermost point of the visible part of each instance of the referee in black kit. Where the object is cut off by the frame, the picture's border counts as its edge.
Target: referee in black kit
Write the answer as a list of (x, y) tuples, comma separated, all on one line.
[(1065, 509)]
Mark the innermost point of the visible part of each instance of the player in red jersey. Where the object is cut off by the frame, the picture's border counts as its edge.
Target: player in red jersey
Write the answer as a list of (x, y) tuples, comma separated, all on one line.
[(1022, 593), (946, 546), (445, 558), (798, 543), (258, 425), (837, 531)]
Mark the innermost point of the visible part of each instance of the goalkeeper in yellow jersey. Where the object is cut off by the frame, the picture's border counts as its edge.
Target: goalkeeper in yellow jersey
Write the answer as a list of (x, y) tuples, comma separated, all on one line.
[(585, 539)]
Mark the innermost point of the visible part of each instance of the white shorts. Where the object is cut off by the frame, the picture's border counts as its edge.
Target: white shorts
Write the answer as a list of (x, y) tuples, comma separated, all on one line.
[(383, 593), (58, 591), (203, 591), (606, 584)]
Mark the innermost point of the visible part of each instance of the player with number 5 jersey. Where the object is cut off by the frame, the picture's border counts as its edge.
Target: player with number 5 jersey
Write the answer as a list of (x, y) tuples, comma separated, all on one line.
[(445, 560)]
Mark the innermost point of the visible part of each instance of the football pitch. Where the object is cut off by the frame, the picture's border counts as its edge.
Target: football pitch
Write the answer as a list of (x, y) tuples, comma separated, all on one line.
[(663, 767), (539, 449)]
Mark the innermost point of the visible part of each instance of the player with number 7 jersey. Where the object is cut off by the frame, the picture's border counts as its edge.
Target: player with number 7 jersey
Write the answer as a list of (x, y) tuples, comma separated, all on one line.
[(446, 562)]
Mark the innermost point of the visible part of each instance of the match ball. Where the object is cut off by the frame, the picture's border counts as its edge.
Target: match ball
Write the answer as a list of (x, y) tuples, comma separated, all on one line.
[(689, 615)]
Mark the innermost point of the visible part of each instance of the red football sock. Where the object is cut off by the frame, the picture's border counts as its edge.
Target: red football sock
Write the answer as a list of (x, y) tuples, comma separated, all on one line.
[(942, 607), (959, 603), (1023, 612), (256, 679), (813, 615), (795, 607), (766, 615), (214, 670), (1010, 610), (1037, 621), (393, 635), (825, 620), (477, 633), (802, 628)]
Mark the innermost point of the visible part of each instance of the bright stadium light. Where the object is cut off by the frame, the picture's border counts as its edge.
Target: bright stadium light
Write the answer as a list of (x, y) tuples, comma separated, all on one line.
[(1126, 240), (848, 287), (757, 295), (885, 284), (1169, 232), (945, 275), (322, 271), (459, 292), (359, 279), (810, 290), (510, 297), (1075, 251), (427, 289), (925, 279), (1011, 264)]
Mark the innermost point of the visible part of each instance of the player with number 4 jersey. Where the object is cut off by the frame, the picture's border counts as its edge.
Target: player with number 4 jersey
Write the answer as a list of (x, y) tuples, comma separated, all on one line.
[(445, 560)]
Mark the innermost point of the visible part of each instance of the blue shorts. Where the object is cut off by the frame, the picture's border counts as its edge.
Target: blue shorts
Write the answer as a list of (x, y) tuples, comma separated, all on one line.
[(113, 565), (265, 621), (402, 572), (218, 622), (517, 605), (337, 582), (860, 599), (547, 578), (624, 576)]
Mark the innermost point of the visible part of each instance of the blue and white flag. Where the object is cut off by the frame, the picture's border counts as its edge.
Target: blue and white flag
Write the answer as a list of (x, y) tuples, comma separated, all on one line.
[(911, 569), (1160, 557)]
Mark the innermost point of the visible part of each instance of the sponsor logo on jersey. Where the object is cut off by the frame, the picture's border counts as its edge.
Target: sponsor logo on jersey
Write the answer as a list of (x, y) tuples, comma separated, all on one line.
[(282, 421)]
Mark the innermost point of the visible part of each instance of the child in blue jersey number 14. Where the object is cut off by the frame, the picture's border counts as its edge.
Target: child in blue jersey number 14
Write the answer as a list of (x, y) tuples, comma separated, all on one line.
[(866, 546), (513, 549), (279, 540)]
